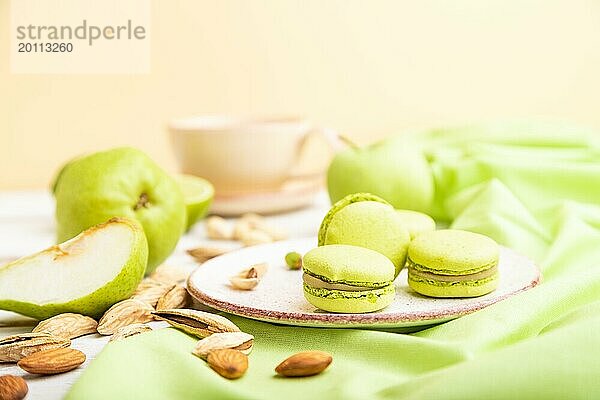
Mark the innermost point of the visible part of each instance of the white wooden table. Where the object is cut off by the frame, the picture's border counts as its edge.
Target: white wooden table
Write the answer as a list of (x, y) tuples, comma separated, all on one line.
[(27, 226)]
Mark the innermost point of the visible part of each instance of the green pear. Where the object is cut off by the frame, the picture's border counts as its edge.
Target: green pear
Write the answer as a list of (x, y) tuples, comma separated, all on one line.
[(198, 194), (122, 182), (57, 176), (394, 170), (87, 274)]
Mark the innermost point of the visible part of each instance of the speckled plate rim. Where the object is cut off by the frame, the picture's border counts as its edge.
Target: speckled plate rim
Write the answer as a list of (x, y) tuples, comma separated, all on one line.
[(377, 320)]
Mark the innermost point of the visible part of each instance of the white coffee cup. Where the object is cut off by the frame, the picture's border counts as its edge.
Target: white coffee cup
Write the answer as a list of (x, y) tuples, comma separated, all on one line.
[(241, 155)]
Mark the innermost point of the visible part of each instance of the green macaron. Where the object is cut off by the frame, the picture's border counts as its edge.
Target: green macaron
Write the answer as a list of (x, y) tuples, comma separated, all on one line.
[(365, 220), (452, 263), (348, 279), (416, 222)]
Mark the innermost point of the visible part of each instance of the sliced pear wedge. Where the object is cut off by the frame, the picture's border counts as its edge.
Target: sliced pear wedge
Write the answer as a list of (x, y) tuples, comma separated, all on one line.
[(85, 275), (198, 194)]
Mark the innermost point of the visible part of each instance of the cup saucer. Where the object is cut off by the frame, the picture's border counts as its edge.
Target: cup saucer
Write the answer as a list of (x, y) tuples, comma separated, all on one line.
[(292, 195)]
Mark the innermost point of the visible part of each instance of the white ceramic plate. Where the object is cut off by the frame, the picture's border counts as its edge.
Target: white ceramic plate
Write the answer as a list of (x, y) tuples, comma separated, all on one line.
[(279, 297)]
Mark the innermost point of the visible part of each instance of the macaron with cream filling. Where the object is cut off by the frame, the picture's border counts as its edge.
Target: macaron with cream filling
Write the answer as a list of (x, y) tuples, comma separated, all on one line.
[(365, 220), (453, 263), (348, 279)]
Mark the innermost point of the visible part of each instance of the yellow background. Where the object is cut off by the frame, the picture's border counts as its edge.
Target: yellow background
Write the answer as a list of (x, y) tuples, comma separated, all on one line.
[(368, 68)]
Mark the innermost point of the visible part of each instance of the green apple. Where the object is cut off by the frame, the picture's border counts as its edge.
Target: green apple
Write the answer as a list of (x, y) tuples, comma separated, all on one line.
[(56, 178), (87, 274), (198, 194), (393, 169), (122, 182)]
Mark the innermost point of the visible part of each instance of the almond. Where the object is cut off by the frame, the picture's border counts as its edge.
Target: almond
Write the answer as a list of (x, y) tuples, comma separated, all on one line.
[(150, 290), (243, 283), (253, 219), (260, 269), (254, 237), (228, 363), (202, 254), (67, 325), (14, 348), (305, 363), (254, 222), (124, 313), (249, 278), (275, 233), (218, 228), (177, 297), (226, 340), (195, 322), (241, 228), (128, 331), (168, 273), (55, 361), (12, 387)]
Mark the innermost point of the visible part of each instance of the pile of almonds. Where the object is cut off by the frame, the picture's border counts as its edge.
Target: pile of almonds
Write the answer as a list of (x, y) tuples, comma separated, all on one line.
[(222, 344), (162, 290), (225, 347), (39, 353), (161, 296), (250, 229), (46, 349)]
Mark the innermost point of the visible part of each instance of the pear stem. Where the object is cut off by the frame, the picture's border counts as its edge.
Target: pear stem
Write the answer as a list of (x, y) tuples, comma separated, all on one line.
[(143, 201)]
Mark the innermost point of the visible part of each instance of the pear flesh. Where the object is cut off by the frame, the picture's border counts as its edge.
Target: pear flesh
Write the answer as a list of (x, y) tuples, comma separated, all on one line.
[(86, 275)]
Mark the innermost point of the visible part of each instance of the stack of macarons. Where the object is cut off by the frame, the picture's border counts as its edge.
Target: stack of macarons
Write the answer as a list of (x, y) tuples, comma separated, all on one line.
[(365, 220), (364, 243)]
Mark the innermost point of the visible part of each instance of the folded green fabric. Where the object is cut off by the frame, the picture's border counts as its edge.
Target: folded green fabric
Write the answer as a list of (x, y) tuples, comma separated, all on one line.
[(535, 188)]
